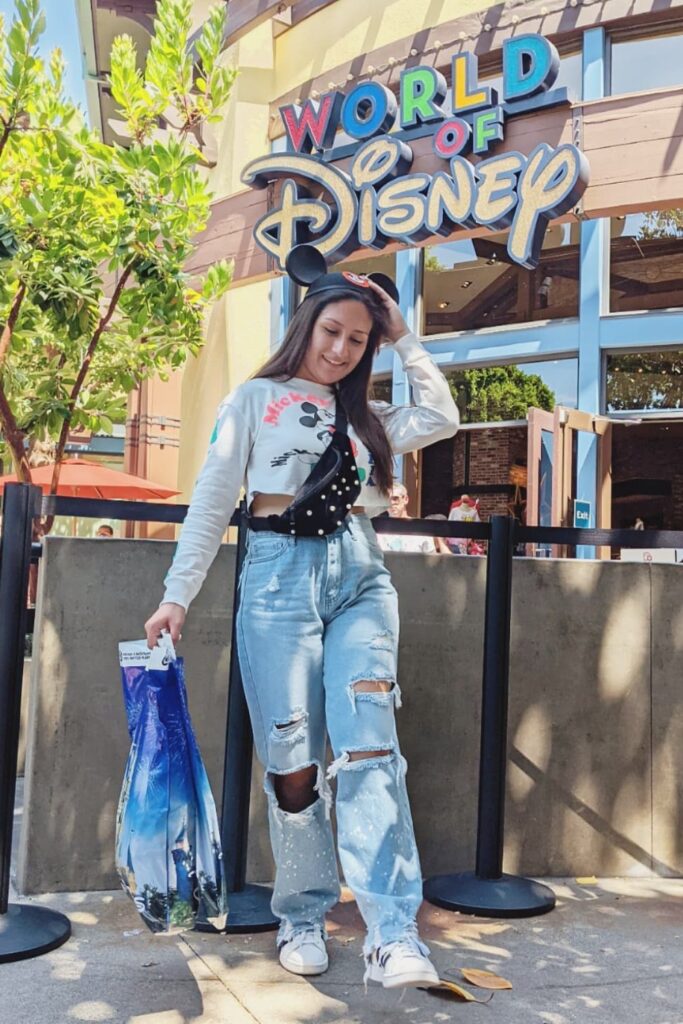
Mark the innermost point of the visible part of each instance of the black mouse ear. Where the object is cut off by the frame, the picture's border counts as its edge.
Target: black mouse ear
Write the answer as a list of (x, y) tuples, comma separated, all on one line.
[(305, 264), (384, 281)]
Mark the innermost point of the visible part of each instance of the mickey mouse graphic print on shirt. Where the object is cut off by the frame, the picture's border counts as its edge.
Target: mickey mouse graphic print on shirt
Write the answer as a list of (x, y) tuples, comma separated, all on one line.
[(311, 407), (316, 417), (270, 433)]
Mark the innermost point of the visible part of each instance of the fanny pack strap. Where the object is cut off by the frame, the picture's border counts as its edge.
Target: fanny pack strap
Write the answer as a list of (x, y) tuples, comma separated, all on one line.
[(341, 424)]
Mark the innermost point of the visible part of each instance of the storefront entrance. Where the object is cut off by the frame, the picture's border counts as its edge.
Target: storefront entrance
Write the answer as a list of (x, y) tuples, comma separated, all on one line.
[(531, 471)]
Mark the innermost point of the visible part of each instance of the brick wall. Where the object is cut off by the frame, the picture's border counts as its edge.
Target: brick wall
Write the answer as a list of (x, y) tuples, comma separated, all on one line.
[(650, 452), (492, 453)]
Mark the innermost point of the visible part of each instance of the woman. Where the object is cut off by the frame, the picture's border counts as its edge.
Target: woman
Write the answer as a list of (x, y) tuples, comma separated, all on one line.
[(318, 622)]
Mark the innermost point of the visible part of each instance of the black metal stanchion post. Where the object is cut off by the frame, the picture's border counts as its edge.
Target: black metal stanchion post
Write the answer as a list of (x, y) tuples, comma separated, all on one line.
[(25, 931), (486, 891), (248, 904)]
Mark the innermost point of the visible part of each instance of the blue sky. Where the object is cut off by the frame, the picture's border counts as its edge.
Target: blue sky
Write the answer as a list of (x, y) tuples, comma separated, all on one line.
[(62, 32)]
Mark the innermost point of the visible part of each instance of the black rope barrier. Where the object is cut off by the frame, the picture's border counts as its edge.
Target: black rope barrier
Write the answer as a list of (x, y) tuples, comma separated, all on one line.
[(25, 930), (578, 537), (248, 904), (487, 891), (96, 508)]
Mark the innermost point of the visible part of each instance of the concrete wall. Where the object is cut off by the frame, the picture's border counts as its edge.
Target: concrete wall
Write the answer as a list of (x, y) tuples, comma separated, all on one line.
[(595, 726)]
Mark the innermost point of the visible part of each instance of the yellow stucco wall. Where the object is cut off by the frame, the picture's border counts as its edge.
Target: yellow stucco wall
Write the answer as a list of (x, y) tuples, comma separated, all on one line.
[(348, 28), (243, 134)]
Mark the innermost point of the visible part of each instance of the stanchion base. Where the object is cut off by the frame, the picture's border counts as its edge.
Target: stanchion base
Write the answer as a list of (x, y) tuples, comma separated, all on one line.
[(248, 911), (507, 896), (27, 930)]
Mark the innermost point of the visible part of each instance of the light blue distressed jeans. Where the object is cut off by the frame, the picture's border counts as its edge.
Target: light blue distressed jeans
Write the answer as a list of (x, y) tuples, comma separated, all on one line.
[(318, 615)]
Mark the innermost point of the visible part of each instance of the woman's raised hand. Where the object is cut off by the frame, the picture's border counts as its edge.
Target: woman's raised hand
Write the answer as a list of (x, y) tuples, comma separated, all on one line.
[(168, 616), (397, 326)]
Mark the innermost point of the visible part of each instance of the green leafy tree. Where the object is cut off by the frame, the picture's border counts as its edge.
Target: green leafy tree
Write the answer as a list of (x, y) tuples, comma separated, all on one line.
[(94, 238), (491, 394), (645, 381), (432, 262), (662, 224)]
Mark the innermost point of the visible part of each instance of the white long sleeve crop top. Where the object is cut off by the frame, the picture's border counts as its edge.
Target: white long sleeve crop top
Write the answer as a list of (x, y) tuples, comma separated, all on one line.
[(267, 438)]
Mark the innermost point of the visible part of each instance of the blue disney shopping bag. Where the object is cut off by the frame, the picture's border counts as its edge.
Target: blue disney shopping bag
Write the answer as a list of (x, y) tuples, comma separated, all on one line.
[(168, 852)]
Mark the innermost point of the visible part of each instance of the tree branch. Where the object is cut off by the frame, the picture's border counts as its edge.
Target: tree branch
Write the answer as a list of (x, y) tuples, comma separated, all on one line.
[(83, 372), (6, 336), (5, 134), (14, 438)]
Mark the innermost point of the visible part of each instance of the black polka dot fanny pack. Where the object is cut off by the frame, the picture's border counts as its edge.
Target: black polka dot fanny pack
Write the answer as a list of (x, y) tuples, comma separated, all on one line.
[(327, 495)]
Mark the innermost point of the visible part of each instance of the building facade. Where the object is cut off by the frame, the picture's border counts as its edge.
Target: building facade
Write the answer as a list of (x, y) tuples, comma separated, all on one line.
[(592, 325)]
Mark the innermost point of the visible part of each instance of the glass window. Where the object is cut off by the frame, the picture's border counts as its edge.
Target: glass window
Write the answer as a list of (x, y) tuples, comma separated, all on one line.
[(382, 389), (545, 483), (640, 64), (474, 283), (645, 380), (646, 268), (490, 394)]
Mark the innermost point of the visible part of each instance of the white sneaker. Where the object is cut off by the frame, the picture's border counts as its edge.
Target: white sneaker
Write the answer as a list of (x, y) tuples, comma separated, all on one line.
[(305, 952), (400, 964)]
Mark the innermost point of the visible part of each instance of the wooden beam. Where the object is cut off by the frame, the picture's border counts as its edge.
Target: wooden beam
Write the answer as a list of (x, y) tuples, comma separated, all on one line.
[(302, 9), (246, 15), (141, 11)]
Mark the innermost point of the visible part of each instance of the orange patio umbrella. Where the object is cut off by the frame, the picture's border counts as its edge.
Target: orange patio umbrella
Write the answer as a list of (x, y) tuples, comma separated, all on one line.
[(81, 478)]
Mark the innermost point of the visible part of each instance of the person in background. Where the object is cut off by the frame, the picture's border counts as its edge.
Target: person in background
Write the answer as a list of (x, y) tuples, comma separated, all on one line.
[(440, 544), (465, 510), (104, 530), (398, 509)]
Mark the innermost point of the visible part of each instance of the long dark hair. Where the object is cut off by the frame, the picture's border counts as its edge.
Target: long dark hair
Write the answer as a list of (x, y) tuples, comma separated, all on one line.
[(354, 390)]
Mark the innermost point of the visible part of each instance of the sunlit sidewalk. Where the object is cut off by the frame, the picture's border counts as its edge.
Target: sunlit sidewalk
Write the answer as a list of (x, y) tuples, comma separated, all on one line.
[(611, 953)]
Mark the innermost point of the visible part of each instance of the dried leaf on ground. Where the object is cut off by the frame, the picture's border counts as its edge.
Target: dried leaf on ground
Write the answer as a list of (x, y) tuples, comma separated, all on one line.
[(484, 979), (455, 990)]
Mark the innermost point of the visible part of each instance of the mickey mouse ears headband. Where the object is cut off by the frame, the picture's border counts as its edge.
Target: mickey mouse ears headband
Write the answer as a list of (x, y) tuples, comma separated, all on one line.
[(307, 266)]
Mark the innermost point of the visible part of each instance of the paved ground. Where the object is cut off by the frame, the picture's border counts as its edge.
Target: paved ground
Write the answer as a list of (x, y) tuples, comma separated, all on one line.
[(611, 953)]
